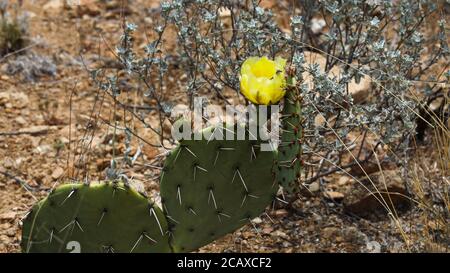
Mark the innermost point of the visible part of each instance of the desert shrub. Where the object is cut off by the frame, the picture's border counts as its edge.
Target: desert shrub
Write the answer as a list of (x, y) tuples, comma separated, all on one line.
[(11, 37), (13, 30), (401, 46), (31, 67)]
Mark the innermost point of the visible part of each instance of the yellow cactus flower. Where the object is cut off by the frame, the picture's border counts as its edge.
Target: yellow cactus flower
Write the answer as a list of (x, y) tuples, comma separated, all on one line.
[(263, 80)]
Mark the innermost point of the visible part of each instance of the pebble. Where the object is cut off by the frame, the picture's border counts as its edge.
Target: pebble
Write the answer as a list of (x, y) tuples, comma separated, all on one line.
[(330, 232), (8, 216), (267, 230), (57, 173), (43, 149), (343, 180), (20, 120), (317, 25), (257, 220), (334, 195), (281, 213), (281, 234), (8, 162), (53, 4), (373, 247)]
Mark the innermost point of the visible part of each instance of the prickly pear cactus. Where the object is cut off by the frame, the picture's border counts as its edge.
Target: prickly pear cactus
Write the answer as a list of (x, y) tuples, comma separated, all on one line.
[(211, 188), (289, 150), (102, 217)]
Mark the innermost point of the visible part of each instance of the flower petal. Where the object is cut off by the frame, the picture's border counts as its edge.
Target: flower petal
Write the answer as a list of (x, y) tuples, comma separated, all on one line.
[(264, 68), (263, 80)]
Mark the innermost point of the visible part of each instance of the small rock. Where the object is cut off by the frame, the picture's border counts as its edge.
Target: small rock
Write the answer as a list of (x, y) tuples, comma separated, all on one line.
[(353, 235), (54, 4), (57, 173), (334, 195), (319, 120), (88, 7), (267, 230), (436, 104), (64, 140), (360, 90), (3, 68), (298, 204), (12, 99), (113, 4), (43, 149), (317, 25), (330, 233), (34, 141), (257, 220), (267, 4), (8, 216), (19, 161), (73, 2), (369, 198), (102, 164), (8, 162), (343, 180), (4, 98), (281, 213), (279, 233), (364, 168), (5, 226), (286, 244), (20, 120), (30, 14), (373, 247), (4, 238), (67, 131), (314, 187), (11, 232)]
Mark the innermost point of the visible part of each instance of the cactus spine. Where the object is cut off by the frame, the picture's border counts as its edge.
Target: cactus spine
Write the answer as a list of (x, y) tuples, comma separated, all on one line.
[(211, 188), (289, 151), (101, 217), (208, 189)]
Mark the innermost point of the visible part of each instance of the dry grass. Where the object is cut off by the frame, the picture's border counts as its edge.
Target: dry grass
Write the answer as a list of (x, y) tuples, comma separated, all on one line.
[(430, 186)]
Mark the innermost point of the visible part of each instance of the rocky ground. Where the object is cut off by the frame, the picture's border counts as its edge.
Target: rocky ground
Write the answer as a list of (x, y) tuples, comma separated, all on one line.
[(51, 129)]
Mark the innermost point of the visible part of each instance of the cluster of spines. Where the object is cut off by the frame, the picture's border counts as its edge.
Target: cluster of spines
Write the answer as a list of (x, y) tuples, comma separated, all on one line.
[(211, 161), (85, 221), (211, 172), (289, 151)]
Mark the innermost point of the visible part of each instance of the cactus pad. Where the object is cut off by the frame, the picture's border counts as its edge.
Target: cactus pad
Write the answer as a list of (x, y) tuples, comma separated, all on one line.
[(289, 150), (101, 217), (211, 188)]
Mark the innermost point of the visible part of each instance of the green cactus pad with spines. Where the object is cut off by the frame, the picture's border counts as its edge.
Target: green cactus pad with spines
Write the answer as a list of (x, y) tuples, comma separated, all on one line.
[(101, 217), (289, 150), (211, 188)]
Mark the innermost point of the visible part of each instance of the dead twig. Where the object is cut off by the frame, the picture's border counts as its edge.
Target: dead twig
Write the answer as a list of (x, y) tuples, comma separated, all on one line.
[(17, 52), (35, 130), (21, 182)]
